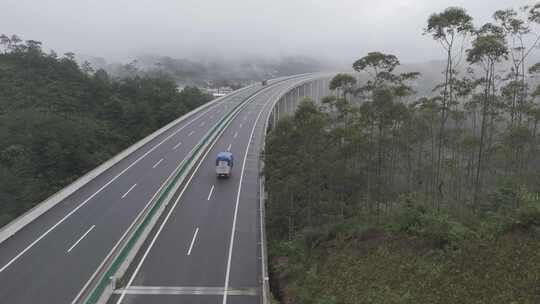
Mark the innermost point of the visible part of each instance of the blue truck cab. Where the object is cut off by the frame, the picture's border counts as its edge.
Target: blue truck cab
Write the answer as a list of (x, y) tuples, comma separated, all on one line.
[(224, 164)]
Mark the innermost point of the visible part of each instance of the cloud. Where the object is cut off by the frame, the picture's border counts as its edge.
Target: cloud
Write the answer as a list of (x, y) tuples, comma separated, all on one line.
[(336, 29)]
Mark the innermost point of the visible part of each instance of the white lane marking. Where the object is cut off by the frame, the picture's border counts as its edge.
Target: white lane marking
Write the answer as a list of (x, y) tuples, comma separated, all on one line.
[(126, 232), (155, 236), (261, 220), (81, 238), (193, 241), (229, 147), (240, 125), (159, 230), (177, 145), (191, 133), (235, 135), (233, 229), (185, 290), (76, 299), (125, 194), (202, 124), (210, 194), (157, 164), (101, 189)]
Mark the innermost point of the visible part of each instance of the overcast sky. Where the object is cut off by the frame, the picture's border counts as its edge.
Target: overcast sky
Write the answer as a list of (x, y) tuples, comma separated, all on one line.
[(341, 30)]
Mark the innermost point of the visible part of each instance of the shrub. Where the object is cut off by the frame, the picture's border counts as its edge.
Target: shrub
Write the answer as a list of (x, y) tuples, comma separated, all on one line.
[(528, 215), (440, 229)]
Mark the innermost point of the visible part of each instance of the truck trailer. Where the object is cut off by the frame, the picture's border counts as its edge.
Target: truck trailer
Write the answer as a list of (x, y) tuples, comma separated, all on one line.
[(224, 164)]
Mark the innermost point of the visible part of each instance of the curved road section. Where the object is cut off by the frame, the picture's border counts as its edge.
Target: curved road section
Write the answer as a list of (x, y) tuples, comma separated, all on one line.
[(205, 250)]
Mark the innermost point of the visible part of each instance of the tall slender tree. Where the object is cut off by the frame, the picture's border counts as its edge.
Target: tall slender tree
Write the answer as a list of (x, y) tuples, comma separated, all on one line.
[(488, 48), (449, 28)]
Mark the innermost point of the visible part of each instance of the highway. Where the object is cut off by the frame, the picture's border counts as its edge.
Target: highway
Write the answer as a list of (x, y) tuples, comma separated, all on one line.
[(208, 240), (207, 248)]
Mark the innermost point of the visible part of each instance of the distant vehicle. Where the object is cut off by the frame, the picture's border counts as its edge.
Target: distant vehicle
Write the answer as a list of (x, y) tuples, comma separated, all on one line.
[(264, 82), (224, 164)]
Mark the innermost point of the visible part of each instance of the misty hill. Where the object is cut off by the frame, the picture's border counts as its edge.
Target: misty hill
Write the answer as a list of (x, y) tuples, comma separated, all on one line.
[(213, 72)]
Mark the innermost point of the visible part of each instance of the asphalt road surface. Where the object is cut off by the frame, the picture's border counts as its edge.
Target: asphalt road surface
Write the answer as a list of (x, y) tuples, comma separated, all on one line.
[(206, 249)]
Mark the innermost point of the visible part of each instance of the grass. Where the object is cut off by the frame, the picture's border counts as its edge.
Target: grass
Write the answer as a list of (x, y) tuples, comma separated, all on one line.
[(415, 257)]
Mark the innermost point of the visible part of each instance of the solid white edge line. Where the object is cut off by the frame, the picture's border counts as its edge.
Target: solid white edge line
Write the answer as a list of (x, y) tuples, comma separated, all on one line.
[(101, 189), (132, 223), (210, 194), (125, 194), (81, 238), (157, 164), (143, 258), (233, 229), (193, 241), (263, 253), (159, 230)]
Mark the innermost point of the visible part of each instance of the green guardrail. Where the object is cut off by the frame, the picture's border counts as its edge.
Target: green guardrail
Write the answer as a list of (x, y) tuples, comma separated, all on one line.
[(106, 277)]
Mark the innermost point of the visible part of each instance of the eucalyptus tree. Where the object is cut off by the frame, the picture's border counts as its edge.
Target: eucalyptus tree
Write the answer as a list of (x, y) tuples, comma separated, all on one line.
[(376, 65), (4, 41), (517, 26), (344, 83), (449, 28), (14, 42), (488, 49)]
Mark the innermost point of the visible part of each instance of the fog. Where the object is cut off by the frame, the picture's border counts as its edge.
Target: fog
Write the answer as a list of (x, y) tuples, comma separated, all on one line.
[(338, 30)]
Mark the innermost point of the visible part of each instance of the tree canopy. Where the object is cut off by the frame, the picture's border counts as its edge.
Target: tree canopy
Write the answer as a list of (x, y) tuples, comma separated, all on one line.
[(59, 120)]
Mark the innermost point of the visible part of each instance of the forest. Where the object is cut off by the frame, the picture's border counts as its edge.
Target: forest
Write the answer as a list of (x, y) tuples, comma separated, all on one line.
[(380, 196), (59, 119)]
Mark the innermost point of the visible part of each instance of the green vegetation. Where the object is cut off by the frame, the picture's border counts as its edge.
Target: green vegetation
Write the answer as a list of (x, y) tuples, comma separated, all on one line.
[(379, 198), (59, 120)]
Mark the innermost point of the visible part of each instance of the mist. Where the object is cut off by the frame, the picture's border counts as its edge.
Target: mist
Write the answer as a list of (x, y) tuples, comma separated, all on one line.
[(338, 31)]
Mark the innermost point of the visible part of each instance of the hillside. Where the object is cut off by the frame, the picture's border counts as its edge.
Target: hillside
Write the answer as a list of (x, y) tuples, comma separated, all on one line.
[(409, 185), (57, 121)]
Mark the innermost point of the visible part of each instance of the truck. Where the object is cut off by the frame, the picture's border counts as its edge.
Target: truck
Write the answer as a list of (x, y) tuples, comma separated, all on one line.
[(224, 164)]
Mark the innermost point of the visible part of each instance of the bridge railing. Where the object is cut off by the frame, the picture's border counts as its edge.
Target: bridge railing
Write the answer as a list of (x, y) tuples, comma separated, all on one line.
[(285, 105)]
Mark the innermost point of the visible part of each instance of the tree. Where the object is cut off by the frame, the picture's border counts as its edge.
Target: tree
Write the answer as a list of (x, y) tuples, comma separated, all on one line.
[(5, 41), (488, 48), (517, 27), (374, 64), (343, 82), (58, 121), (14, 42), (447, 28)]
